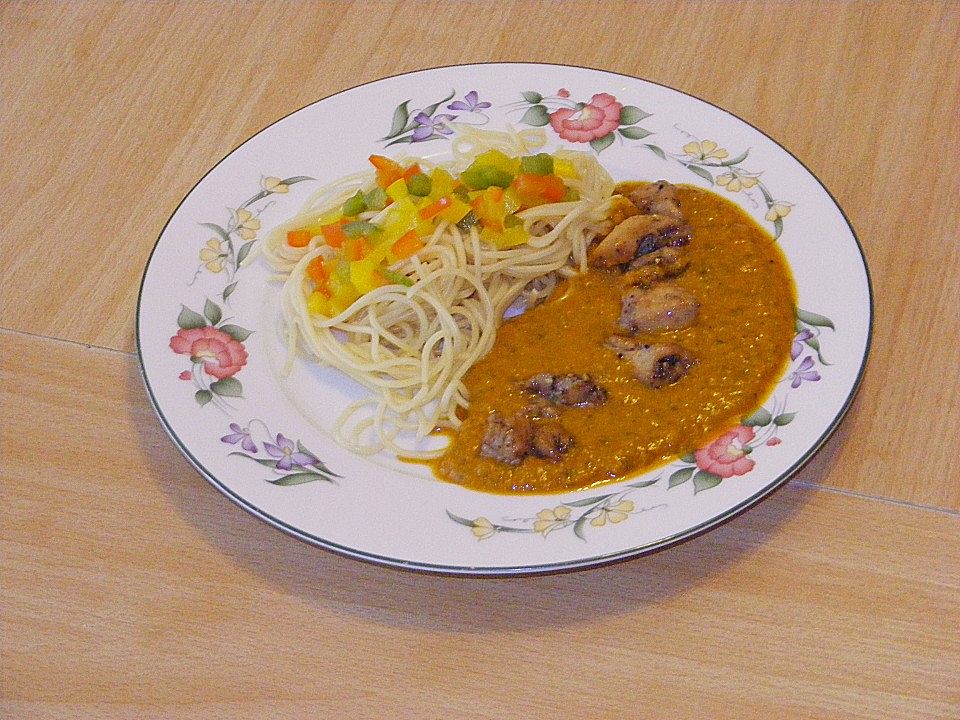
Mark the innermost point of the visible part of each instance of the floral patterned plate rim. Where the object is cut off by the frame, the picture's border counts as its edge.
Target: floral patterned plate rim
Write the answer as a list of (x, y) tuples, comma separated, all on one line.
[(211, 351)]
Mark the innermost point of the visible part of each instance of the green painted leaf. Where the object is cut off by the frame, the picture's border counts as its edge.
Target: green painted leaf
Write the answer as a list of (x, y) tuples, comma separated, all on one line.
[(681, 476), (407, 139), (534, 98), (688, 458), (203, 397), (697, 170), (244, 251), (536, 115), (297, 479), (759, 418), (460, 520), (777, 228), (644, 483), (400, 116), (631, 114), (735, 160), (228, 387), (601, 144), (578, 527), (657, 151), (784, 419), (634, 133), (263, 461), (429, 110), (584, 502), (813, 319), (319, 464), (228, 291), (236, 332), (190, 320), (295, 179), (704, 481), (224, 235), (212, 312)]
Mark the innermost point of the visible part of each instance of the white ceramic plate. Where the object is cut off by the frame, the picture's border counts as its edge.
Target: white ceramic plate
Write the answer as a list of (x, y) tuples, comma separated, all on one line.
[(210, 350)]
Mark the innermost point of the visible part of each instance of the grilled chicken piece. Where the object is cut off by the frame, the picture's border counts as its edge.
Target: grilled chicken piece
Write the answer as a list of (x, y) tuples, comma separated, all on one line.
[(656, 366), (510, 440), (568, 390), (639, 235), (551, 441), (665, 306), (663, 264), (659, 198), (507, 440)]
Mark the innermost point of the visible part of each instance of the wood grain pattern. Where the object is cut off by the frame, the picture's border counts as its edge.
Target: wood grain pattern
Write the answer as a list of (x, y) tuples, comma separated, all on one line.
[(131, 589), (134, 580)]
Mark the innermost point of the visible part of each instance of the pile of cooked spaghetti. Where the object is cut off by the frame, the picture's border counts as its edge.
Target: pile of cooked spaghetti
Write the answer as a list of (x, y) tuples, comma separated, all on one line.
[(400, 276)]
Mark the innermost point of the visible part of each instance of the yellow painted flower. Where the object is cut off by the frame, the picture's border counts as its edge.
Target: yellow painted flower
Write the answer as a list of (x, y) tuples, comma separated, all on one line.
[(779, 210), (274, 185), (615, 513), (736, 181), (705, 150), (483, 528), (247, 224), (212, 255), (548, 520)]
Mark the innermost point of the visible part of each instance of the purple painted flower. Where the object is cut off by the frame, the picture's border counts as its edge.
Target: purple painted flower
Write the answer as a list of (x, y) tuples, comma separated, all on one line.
[(428, 126), (803, 372), (469, 103), (287, 454), (797, 347), (240, 435)]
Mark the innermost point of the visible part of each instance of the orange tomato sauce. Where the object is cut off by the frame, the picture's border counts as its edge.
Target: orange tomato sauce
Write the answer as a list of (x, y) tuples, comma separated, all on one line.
[(741, 340)]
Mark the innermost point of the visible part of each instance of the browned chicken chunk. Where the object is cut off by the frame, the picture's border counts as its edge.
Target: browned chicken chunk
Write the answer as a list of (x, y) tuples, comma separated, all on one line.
[(569, 390), (655, 366), (638, 235), (659, 198), (551, 441), (510, 440), (663, 264), (665, 306), (507, 440)]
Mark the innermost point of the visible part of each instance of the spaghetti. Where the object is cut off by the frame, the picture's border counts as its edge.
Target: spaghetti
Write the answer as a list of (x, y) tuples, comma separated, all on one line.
[(409, 326)]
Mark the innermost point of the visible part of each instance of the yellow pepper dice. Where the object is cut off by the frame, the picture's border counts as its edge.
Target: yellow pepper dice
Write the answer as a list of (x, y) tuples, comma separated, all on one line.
[(317, 304), (565, 169), (397, 190), (441, 183), (455, 211), (499, 160), (509, 238), (364, 275)]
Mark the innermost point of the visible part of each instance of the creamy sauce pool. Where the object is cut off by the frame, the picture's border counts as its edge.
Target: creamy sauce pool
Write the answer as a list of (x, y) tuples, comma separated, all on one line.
[(741, 340)]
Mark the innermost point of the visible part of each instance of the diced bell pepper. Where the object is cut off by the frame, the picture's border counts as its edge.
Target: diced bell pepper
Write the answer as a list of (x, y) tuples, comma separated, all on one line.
[(299, 238), (533, 190), (539, 164), (388, 171), (354, 205), (397, 190), (318, 304)]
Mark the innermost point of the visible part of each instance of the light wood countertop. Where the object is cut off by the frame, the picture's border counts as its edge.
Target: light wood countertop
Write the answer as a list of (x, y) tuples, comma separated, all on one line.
[(131, 589)]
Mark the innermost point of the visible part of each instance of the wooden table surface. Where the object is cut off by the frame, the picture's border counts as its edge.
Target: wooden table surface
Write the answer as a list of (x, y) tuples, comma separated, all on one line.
[(132, 589)]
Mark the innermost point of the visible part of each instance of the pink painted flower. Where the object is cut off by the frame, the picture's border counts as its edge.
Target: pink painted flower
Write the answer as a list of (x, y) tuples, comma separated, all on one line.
[(222, 356), (774, 441), (727, 455), (563, 92), (185, 375), (596, 119)]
